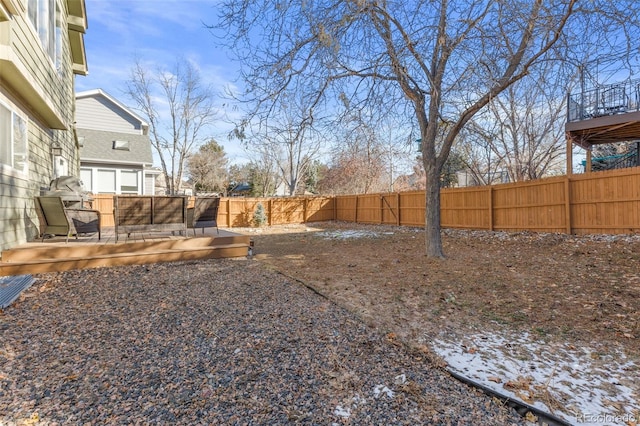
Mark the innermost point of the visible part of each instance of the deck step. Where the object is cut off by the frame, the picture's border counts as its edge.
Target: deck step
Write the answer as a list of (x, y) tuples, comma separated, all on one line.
[(148, 255), (45, 251)]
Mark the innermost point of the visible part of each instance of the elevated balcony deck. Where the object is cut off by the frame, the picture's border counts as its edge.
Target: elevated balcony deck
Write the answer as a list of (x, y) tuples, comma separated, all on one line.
[(604, 114)]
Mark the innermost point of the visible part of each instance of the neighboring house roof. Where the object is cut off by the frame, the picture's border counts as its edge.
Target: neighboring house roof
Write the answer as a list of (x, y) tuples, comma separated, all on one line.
[(240, 188), (109, 132), (99, 146)]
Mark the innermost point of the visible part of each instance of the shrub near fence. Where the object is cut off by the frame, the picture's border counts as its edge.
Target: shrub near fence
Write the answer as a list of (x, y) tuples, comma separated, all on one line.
[(605, 202)]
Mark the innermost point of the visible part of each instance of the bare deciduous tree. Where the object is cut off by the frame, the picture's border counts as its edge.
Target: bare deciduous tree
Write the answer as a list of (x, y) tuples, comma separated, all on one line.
[(354, 172), (520, 135), (178, 109), (367, 156), (442, 60), (287, 138), (358, 161)]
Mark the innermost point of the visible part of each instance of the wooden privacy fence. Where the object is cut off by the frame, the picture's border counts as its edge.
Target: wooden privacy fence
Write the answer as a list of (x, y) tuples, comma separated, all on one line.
[(593, 203)]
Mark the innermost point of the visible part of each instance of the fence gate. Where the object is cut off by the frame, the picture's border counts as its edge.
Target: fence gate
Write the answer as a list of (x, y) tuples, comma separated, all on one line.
[(390, 208)]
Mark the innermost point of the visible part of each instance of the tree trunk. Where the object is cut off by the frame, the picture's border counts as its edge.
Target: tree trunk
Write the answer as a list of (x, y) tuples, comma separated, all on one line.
[(433, 238), (167, 180)]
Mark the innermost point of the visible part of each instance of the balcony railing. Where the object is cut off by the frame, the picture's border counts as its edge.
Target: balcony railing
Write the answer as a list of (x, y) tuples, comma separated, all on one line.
[(611, 99)]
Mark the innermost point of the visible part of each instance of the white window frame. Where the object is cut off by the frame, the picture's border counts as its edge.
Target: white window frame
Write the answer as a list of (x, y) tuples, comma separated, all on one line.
[(58, 51), (100, 176), (18, 151), (88, 186), (45, 16), (124, 173)]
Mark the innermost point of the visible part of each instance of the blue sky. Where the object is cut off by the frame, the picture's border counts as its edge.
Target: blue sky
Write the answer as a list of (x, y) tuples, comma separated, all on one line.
[(158, 32)]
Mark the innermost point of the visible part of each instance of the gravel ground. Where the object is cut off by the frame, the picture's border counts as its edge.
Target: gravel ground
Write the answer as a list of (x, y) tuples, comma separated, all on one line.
[(212, 342)]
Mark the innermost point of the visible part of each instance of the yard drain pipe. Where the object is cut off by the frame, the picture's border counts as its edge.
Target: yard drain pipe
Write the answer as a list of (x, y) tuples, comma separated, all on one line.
[(544, 418), (522, 408)]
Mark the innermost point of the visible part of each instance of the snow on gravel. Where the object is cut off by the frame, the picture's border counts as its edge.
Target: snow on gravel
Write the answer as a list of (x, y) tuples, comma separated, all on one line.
[(586, 386), (350, 234)]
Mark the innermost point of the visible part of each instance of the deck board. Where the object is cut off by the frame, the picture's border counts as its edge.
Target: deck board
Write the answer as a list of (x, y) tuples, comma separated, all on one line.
[(54, 254)]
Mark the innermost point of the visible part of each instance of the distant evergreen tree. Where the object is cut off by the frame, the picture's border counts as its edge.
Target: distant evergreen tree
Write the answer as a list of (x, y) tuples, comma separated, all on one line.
[(259, 216)]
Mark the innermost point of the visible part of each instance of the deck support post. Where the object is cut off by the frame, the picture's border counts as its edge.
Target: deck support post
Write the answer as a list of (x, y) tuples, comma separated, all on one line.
[(569, 154)]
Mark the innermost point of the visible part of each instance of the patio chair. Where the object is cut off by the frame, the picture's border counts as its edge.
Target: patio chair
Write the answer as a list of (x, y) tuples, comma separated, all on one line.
[(57, 220), (204, 214)]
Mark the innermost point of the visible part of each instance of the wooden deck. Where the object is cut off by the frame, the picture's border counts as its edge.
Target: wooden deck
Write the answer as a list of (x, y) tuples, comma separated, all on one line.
[(54, 254)]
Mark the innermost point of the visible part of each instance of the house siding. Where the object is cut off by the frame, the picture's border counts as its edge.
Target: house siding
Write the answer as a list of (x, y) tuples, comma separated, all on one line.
[(39, 83), (24, 43), (101, 120), (19, 220), (94, 113)]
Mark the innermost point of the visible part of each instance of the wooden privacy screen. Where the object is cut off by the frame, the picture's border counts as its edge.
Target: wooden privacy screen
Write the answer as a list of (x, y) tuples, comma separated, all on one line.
[(147, 213)]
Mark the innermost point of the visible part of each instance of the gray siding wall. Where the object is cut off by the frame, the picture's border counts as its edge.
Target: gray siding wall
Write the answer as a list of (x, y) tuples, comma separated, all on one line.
[(18, 219), (99, 113), (55, 87)]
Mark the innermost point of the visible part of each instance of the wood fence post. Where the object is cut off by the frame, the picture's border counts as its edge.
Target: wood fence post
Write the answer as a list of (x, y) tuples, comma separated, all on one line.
[(356, 217), (228, 212), (490, 207), (381, 208), (270, 207), (335, 207), (569, 152), (567, 204), (398, 222), (245, 212), (304, 209)]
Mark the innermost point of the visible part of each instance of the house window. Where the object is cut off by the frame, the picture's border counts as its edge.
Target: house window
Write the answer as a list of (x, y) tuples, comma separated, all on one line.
[(129, 181), (58, 43), (32, 11), (13, 140), (43, 16), (106, 181), (87, 179)]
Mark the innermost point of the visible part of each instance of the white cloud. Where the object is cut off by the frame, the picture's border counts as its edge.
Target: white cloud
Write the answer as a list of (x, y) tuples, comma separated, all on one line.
[(158, 33)]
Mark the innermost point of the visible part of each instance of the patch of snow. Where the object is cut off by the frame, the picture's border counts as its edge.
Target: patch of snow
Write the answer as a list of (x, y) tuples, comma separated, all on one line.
[(380, 390), (345, 411), (342, 411), (400, 379), (584, 386), (358, 400), (347, 234)]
